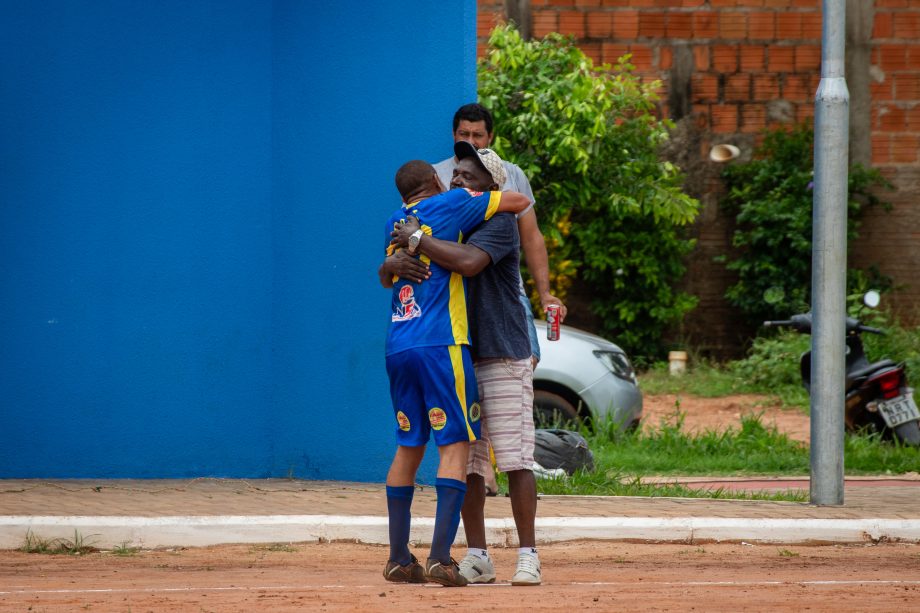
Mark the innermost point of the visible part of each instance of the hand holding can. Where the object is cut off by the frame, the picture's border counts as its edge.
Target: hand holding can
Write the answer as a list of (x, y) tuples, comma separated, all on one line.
[(552, 322)]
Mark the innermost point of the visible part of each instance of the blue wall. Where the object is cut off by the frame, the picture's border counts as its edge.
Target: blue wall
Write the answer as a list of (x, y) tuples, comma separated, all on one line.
[(191, 205)]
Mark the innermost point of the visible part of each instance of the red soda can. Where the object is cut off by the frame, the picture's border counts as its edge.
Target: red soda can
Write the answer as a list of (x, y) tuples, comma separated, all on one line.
[(552, 322)]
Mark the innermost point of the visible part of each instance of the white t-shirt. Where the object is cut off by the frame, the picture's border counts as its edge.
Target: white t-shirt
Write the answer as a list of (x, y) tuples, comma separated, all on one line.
[(517, 180)]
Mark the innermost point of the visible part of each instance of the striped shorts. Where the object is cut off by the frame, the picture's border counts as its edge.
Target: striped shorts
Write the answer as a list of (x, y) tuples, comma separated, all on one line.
[(506, 398)]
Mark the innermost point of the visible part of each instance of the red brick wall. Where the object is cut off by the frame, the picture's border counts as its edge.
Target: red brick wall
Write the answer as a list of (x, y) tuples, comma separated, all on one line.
[(893, 239), (756, 64), (746, 52)]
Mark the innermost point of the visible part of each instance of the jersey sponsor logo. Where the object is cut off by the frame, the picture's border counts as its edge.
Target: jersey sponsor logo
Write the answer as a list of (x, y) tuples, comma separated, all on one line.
[(403, 420), (409, 308), (438, 418), (475, 412), (472, 193)]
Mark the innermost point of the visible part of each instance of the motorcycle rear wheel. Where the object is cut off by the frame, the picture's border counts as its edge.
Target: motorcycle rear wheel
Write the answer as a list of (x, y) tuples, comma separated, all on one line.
[(908, 433)]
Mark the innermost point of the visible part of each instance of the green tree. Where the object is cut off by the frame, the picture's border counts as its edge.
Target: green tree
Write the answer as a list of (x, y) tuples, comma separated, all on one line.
[(771, 198), (611, 209)]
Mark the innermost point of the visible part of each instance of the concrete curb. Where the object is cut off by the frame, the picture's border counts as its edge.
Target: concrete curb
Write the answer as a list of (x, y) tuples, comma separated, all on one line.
[(106, 532)]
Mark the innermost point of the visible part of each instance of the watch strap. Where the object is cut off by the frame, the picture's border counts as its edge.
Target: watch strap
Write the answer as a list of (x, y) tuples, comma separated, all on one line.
[(414, 241)]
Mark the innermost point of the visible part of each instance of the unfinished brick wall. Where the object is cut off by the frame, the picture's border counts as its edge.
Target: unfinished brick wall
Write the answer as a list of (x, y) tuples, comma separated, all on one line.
[(734, 67), (893, 239)]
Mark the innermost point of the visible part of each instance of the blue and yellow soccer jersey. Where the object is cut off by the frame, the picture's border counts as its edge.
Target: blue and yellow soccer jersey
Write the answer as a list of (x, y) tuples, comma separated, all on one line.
[(433, 312)]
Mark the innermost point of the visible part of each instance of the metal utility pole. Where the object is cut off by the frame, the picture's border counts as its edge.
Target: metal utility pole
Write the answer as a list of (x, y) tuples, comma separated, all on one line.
[(829, 257)]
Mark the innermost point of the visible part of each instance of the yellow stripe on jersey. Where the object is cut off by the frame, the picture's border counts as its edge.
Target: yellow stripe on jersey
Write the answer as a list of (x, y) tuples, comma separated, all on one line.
[(456, 360), (424, 258), (495, 199), (456, 306)]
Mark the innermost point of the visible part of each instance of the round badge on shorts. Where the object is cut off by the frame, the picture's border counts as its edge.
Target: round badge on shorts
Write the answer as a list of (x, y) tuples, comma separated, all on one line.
[(403, 420), (475, 412), (438, 418)]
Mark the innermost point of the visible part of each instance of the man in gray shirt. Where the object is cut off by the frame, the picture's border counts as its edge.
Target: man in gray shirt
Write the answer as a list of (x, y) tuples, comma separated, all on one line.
[(502, 354)]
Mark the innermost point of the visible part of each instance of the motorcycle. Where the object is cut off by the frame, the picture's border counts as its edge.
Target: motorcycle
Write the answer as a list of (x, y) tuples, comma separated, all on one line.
[(877, 396)]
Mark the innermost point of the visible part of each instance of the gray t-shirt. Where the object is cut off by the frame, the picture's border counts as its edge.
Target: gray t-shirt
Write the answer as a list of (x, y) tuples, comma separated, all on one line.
[(498, 321)]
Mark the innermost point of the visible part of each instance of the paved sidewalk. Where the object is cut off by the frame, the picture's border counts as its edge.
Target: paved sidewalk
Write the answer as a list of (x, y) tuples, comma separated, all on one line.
[(210, 511)]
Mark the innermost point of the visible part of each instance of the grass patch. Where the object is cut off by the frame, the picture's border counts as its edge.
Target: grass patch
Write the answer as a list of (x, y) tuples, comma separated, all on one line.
[(125, 550), (707, 380), (751, 449), (702, 379), (614, 483), (622, 460), (868, 454), (36, 544)]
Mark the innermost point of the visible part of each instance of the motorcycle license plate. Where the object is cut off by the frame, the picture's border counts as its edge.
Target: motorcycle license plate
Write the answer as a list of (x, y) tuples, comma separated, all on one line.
[(899, 410)]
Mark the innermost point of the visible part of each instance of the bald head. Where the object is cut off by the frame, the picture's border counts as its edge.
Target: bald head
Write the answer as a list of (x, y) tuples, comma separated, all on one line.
[(414, 177)]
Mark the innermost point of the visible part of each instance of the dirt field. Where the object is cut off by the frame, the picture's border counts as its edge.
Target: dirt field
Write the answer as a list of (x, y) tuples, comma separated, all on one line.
[(599, 576), (718, 413)]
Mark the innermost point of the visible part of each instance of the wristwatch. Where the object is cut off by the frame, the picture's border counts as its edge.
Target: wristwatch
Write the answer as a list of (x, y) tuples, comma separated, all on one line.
[(414, 240)]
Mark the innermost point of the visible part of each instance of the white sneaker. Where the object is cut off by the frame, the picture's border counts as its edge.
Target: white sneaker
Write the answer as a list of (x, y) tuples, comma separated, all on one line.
[(528, 570), (477, 570)]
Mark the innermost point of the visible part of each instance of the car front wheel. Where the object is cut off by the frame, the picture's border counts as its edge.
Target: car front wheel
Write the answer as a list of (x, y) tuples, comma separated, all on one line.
[(552, 410)]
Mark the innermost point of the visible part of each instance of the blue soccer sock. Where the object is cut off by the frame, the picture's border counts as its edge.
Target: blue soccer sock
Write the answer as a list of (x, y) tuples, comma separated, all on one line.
[(450, 498), (399, 508)]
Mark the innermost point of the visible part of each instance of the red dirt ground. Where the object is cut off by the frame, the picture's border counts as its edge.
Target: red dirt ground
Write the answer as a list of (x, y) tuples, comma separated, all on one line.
[(601, 576), (719, 413)]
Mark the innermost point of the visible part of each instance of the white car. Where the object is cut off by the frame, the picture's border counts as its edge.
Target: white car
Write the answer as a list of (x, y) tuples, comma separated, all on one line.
[(583, 375)]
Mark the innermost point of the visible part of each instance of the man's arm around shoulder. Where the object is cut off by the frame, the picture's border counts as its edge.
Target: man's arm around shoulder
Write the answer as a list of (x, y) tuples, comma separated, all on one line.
[(512, 202)]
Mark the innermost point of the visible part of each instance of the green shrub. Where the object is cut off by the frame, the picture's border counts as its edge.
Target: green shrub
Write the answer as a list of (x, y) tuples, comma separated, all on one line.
[(773, 361), (771, 197), (611, 209)]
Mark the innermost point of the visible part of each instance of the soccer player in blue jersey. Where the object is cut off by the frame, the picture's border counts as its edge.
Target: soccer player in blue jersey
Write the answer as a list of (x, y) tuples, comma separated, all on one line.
[(432, 382)]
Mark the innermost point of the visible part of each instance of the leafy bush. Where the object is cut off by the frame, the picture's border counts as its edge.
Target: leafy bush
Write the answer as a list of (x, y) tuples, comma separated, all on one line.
[(773, 361), (772, 199), (611, 210)]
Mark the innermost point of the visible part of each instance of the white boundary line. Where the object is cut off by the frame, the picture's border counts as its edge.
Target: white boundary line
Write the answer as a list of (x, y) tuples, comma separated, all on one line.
[(288, 588), (196, 530)]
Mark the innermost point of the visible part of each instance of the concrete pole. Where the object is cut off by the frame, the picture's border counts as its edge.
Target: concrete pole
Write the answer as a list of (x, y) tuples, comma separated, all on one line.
[(519, 12), (829, 244)]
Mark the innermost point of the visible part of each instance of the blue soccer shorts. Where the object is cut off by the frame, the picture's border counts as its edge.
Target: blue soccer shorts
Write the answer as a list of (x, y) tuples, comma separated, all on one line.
[(434, 389)]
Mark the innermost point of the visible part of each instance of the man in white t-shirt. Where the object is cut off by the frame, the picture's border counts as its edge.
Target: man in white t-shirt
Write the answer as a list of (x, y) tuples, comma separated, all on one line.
[(473, 123)]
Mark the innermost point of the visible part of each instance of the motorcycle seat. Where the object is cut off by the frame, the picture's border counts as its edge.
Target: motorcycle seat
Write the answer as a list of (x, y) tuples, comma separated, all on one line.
[(871, 368)]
